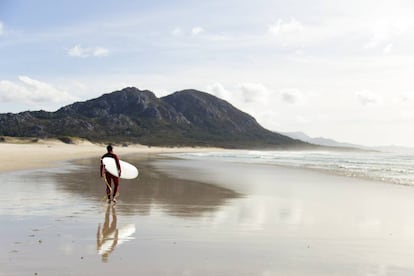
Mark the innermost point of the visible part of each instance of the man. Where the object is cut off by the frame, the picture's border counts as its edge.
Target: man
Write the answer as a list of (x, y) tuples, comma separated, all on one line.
[(109, 178)]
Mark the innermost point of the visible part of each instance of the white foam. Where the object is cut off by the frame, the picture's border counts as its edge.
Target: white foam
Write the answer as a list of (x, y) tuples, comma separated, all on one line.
[(388, 167)]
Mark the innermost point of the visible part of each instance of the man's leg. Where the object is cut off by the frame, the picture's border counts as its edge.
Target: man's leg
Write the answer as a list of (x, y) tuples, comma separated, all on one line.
[(116, 186), (108, 178)]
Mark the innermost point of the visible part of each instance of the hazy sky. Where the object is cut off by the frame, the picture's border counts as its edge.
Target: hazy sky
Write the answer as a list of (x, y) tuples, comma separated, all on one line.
[(338, 69)]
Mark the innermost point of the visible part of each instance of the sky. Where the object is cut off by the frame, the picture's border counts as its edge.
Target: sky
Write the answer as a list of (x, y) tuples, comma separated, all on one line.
[(329, 68)]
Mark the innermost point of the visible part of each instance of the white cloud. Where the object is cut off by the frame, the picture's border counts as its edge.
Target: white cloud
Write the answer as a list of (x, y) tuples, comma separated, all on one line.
[(367, 97), (76, 51), (100, 52), (381, 31), (384, 30), (1, 28), (31, 91), (342, 33), (403, 99), (177, 31), (79, 51), (197, 30), (294, 33), (281, 27), (218, 90), (246, 96)]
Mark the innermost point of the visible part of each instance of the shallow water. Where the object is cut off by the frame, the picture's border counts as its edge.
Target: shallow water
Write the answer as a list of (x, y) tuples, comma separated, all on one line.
[(199, 217), (395, 168)]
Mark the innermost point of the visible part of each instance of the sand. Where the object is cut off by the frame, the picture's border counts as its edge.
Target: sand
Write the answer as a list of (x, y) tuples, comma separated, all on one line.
[(198, 217), (22, 154)]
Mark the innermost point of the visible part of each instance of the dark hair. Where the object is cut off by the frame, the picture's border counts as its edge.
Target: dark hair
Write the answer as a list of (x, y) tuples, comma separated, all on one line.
[(109, 147)]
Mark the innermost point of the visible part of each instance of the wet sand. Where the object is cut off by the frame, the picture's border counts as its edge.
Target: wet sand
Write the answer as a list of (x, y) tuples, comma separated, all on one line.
[(193, 217)]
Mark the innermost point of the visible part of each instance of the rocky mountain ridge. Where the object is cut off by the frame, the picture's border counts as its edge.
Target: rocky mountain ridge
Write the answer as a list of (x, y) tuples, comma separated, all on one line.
[(130, 115)]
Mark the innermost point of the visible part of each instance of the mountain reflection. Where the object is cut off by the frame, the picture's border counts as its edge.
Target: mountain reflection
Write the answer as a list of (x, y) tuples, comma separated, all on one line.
[(152, 189)]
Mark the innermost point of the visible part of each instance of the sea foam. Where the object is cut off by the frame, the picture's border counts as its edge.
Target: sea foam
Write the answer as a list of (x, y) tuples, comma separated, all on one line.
[(387, 167)]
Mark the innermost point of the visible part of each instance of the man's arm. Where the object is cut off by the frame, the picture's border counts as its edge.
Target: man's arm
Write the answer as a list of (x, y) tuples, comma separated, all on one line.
[(101, 170)]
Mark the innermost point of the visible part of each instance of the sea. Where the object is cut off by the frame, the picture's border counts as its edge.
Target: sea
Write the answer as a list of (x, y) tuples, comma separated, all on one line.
[(390, 167)]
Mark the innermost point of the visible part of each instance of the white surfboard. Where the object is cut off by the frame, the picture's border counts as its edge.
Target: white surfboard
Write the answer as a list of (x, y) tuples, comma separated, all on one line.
[(128, 171)]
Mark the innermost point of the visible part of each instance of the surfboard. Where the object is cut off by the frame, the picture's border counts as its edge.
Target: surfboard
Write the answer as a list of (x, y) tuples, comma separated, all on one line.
[(128, 171)]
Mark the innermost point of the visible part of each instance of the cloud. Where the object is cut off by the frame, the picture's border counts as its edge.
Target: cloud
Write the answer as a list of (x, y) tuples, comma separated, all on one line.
[(366, 97), (281, 27), (31, 91), (177, 31), (292, 96), (180, 32), (79, 51), (1, 28), (385, 30), (381, 31), (293, 33), (197, 30), (403, 99), (218, 90), (253, 92), (243, 95), (342, 33)]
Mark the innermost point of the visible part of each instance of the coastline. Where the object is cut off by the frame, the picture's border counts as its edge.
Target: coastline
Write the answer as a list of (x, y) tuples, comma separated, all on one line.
[(196, 217), (24, 155)]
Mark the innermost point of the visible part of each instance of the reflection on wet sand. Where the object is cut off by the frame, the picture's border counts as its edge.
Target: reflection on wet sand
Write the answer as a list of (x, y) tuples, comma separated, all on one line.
[(152, 189), (109, 235), (287, 222)]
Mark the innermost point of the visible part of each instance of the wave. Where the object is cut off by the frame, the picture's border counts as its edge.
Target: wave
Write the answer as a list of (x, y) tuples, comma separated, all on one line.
[(387, 167)]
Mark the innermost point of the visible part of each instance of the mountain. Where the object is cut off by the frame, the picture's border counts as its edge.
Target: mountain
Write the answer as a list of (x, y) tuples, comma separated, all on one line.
[(326, 142), (184, 118), (320, 140)]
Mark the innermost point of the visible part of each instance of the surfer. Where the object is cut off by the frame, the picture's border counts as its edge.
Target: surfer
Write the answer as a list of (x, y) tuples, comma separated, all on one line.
[(109, 178)]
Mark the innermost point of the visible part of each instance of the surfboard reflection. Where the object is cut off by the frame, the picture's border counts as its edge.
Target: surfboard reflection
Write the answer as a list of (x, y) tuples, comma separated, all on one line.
[(109, 236)]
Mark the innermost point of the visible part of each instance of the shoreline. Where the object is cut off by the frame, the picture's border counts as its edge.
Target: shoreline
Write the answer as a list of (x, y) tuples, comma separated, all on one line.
[(197, 217), (18, 155)]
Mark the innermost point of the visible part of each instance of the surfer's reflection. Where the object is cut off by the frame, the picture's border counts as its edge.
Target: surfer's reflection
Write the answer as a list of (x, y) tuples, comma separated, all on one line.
[(109, 236)]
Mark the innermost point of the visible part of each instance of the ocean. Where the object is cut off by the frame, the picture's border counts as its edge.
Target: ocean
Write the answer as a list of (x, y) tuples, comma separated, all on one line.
[(394, 168)]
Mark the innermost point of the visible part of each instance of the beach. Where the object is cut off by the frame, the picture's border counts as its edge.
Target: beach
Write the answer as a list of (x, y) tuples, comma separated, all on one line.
[(195, 217), (22, 154)]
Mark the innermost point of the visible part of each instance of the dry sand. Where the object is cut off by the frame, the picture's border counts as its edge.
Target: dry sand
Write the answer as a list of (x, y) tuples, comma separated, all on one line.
[(21, 154)]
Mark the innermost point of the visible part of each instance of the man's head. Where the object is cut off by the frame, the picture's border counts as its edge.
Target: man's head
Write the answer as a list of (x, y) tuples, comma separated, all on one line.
[(109, 148)]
